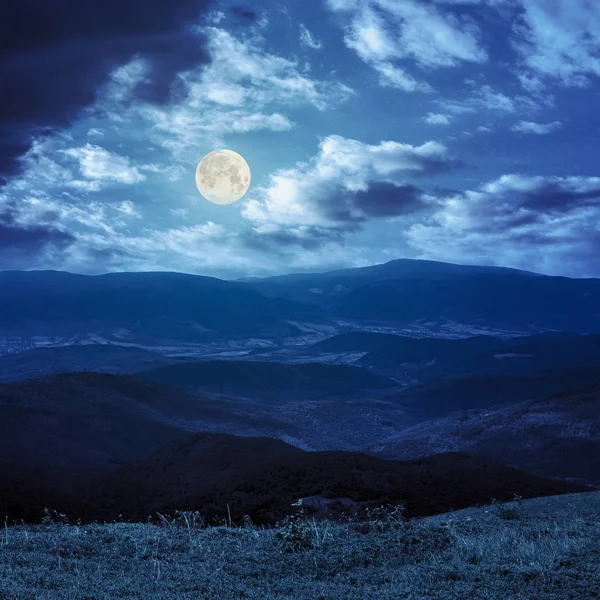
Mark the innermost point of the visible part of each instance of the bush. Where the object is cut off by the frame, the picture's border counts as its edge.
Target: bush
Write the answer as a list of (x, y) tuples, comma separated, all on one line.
[(52, 516), (297, 532), (506, 512), (386, 518)]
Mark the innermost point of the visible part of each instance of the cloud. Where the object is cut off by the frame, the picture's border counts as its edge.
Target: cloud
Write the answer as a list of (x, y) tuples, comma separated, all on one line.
[(215, 17), (536, 128), (56, 56), (94, 131), (127, 207), (437, 119), (258, 76), (308, 39), (179, 212), (560, 40), (382, 32), (21, 243), (484, 98), (131, 166), (344, 185), (243, 89), (546, 224), (100, 165), (395, 77)]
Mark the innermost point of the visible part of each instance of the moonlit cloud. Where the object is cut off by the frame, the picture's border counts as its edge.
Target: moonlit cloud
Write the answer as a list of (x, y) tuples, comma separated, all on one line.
[(345, 184), (99, 164), (308, 39), (560, 39), (536, 128), (437, 119), (382, 32), (357, 117), (244, 89), (547, 224)]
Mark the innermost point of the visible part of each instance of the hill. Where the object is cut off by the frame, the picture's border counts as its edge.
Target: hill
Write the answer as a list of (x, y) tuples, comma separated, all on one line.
[(174, 310), (139, 306), (76, 426), (270, 381), (509, 301), (404, 268), (558, 436), (426, 359), (263, 477), (443, 396), (105, 358), (406, 291)]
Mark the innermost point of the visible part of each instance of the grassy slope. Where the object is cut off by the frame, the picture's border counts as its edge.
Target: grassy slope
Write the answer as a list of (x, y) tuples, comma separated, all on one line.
[(549, 551)]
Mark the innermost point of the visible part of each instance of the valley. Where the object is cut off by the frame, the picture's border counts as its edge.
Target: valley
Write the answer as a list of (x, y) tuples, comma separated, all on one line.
[(98, 389)]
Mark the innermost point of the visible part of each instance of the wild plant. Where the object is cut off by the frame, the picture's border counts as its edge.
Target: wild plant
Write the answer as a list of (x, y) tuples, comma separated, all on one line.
[(298, 532), (508, 512)]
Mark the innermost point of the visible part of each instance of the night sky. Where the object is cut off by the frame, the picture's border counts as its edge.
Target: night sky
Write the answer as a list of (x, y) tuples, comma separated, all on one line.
[(464, 131)]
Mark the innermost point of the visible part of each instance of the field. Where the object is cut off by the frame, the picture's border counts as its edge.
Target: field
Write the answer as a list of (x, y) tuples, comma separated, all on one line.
[(542, 549)]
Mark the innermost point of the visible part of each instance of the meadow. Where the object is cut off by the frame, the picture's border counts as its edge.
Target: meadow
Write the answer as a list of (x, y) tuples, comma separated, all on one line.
[(541, 548)]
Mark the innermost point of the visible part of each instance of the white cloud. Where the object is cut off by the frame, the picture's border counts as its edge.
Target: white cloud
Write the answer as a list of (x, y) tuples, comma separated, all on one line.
[(536, 128), (384, 31), (437, 119), (243, 88), (215, 17), (41, 208), (485, 98), (100, 165), (173, 172), (308, 39), (561, 39), (532, 83), (94, 131), (546, 224), (128, 208), (321, 193), (179, 212), (124, 79), (395, 77), (258, 76)]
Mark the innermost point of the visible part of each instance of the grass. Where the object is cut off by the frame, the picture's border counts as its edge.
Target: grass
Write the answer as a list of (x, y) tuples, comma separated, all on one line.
[(500, 553)]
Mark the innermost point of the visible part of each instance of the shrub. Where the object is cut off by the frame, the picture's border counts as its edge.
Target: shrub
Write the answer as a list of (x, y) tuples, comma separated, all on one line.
[(506, 512), (386, 518), (52, 516), (297, 532)]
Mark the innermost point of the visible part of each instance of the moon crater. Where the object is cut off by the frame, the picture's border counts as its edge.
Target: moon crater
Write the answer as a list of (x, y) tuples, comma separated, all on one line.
[(223, 176)]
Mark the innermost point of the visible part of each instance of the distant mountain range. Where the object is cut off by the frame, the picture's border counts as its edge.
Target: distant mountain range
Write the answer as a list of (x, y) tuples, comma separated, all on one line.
[(165, 308), (174, 309), (138, 392), (408, 290), (402, 268)]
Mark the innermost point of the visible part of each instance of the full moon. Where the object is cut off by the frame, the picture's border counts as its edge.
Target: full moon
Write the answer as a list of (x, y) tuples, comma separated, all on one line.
[(223, 176)]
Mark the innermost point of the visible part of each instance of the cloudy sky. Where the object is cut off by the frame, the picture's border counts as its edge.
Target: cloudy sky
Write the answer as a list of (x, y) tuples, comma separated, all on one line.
[(464, 131)]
